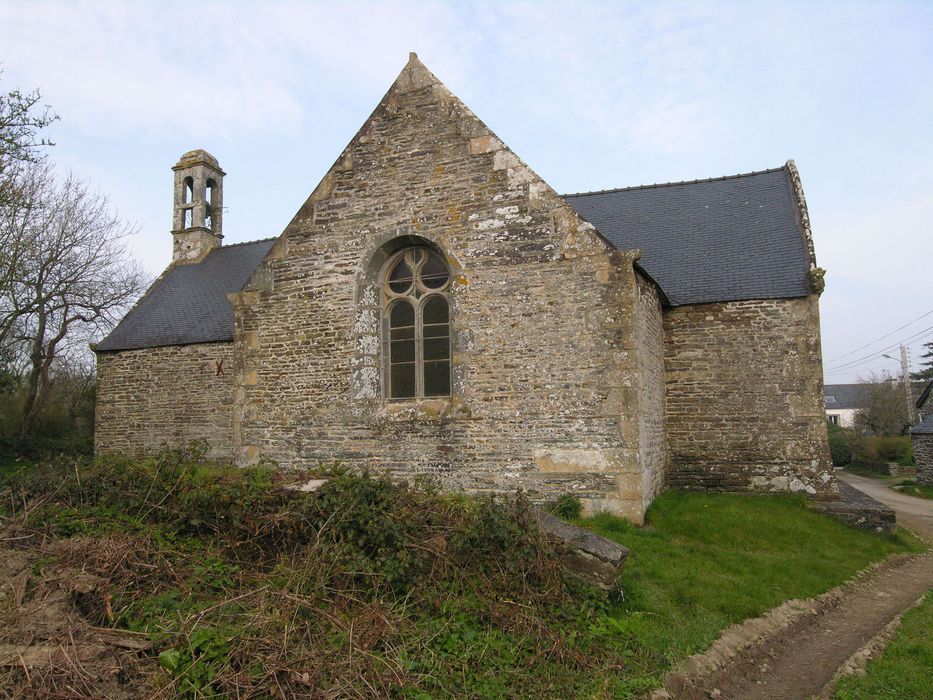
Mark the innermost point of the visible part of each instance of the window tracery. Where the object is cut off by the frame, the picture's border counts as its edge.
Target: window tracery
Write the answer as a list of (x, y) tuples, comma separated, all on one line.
[(416, 325)]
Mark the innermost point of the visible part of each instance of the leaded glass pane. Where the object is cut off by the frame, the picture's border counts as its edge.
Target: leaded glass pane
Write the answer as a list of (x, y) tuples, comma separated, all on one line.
[(402, 351), (437, 378), (400, 278), (436, 349), (402, 381), (402, 314), (435, 310), (434, 274), (437, 331), (402, 333)]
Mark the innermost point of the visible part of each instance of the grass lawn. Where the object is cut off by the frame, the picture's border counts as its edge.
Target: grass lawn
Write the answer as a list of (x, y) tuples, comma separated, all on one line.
[(905, 668), (381, 589), (711, 560)]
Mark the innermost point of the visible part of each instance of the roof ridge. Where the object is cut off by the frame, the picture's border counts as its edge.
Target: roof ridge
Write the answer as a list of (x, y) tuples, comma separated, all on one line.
[(680, 182), (234, 245)]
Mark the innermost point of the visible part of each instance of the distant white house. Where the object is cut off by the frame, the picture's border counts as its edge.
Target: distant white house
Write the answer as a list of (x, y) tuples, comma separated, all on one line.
[(842, 401)]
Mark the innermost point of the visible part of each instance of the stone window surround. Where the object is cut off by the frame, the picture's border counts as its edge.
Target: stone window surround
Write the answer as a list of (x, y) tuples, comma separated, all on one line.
[(417, 296), (368, 399)]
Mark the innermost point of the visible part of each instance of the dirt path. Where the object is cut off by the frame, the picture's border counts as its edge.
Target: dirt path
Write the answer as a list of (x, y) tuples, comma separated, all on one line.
[(799, 660)]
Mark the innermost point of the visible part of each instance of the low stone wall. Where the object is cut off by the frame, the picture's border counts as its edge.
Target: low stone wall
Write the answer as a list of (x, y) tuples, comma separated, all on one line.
[(745, 397), (165, 396), (923, 456)]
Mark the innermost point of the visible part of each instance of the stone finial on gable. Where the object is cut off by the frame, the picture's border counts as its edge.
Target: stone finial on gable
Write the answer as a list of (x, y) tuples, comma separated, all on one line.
[(414, 75)]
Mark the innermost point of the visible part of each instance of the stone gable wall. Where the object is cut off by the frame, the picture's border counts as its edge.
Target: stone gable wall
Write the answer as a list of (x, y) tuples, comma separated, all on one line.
[(543, 317), (923, 456), (165, 396), (745, 397)]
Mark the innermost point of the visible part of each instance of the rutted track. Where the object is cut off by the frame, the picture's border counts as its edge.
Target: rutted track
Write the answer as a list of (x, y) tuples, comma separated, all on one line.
[(796, 649)]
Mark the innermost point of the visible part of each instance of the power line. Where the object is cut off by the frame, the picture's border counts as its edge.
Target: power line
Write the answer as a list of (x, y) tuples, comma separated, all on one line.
[(852, 352), (877, 353), (849, 367), (860, 371), (852, 364), (919, 335)]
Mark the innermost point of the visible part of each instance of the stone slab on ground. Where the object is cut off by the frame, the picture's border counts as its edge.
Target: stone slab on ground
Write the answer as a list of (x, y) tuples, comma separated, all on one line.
[(858, 509), (915, 514), (596, 557)]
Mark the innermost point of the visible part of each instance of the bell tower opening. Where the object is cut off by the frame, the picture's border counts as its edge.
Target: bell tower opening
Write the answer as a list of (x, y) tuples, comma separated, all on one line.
[(197, 221)]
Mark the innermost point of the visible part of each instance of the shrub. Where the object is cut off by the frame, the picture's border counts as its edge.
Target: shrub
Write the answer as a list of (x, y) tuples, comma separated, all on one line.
[(894, 448), (868, 452), (566, 507), (840, 445)]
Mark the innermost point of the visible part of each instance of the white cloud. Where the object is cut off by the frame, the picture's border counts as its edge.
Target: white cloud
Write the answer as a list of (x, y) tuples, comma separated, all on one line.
[(602, 93), (205, 69)]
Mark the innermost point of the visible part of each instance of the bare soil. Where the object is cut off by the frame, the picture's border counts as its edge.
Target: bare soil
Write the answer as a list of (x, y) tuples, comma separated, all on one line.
[(48, 648)]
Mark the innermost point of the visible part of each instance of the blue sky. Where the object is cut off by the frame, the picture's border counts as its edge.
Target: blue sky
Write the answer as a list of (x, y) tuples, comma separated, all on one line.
[(591, 95)]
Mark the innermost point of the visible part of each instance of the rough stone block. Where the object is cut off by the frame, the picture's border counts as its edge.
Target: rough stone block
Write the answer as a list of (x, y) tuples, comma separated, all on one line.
[(589, 554)]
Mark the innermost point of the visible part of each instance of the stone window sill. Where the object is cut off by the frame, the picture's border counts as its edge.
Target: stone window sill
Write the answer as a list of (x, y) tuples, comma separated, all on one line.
[(437, 409)]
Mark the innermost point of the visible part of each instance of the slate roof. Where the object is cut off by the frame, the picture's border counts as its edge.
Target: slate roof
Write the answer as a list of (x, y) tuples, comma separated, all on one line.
[(188, 304), (924, 427), (844, 395), (723, 239)]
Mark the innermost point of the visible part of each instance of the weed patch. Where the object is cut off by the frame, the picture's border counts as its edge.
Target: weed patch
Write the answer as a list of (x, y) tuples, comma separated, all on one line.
[(241, 587)]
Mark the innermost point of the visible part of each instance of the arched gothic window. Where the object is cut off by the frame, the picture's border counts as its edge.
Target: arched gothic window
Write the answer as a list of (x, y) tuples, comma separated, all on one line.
[(416, 324)]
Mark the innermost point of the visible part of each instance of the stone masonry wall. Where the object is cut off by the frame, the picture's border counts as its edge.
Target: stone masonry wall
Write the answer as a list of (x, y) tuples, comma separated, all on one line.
[(745, 397), (923, 456), (170, 395), (652, 432), (543, 318)]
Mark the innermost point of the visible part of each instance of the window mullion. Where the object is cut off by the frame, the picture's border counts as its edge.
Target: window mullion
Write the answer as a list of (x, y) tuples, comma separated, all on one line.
[(386, 355), (419, 352)]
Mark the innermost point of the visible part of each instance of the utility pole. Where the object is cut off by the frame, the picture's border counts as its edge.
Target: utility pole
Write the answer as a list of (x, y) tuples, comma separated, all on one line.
[(905, 368), (905, 377)]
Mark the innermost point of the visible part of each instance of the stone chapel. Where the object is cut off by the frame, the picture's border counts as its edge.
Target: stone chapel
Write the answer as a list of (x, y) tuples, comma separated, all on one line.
[(435, 308)]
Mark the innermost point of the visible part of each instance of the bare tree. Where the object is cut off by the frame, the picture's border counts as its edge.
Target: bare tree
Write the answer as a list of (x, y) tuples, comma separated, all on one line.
[(22, 118), (66, 277), (885, 411)]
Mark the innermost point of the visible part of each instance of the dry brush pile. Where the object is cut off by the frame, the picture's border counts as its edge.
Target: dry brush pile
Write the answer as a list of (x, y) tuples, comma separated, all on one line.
[(181, 578)]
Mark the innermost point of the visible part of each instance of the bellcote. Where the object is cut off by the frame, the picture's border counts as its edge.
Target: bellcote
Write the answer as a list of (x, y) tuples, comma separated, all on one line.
[(197, 220)]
